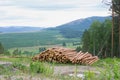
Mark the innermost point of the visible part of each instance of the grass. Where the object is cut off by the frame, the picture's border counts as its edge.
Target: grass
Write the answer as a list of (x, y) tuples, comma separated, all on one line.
[(35, 49), (110, 69), (5, 70), (25, 60), (101, 62), (24, 66), (41, 67)]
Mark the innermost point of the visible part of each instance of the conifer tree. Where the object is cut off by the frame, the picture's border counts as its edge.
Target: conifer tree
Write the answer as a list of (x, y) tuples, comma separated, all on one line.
[(1, 48)]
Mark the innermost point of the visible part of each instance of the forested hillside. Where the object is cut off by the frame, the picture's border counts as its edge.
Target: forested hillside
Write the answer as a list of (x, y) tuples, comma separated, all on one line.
[(27, 39), (75, 28), (70, 32)]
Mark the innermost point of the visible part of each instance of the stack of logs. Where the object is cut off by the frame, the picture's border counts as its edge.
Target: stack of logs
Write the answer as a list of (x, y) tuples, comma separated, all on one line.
[(65, 55)]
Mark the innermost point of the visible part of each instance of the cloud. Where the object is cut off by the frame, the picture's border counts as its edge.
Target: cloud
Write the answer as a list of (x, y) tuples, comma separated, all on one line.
[(51, 4), (47, 12), (46, 18)]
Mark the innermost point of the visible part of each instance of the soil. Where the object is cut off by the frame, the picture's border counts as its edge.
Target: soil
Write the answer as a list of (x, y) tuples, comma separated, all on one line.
[(5, 63), (72, 69)]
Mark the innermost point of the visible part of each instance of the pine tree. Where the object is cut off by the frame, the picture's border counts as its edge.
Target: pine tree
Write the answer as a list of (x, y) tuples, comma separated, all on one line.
[(97, 39), (86, 41), (115, 37), (1, 48), (64, 44), (116, 27)]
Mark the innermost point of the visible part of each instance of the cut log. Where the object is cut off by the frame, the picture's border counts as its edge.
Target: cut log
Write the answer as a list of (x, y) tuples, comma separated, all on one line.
[(65, 55)]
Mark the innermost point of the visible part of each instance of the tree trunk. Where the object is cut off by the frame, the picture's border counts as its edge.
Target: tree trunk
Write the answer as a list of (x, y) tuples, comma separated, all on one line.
[(112, 45), (119, 35)]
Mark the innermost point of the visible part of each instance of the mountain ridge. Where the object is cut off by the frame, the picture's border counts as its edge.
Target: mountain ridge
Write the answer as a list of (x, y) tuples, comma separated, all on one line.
[(76, 26), (84, 21), (19, 29)]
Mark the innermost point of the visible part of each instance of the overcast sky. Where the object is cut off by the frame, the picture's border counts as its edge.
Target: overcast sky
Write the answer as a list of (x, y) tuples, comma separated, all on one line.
[(48, 13)]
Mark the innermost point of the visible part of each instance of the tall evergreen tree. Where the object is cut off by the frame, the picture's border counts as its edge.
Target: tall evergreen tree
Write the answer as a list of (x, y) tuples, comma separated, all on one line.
[(63, 44), (116, 6), (115, 37), (116, 27), (1, 48), (97, 39), (86, 41)]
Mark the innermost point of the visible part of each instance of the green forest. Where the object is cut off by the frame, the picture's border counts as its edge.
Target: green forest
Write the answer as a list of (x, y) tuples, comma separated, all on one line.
[(45, 37), (103, 39), (97, 39)]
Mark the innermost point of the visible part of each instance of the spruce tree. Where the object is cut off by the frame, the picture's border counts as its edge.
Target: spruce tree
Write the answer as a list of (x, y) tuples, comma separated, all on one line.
[(1, 48)]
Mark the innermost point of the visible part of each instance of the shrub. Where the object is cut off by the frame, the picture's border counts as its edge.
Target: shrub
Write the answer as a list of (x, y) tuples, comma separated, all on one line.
[(40, 67), (20, 66)]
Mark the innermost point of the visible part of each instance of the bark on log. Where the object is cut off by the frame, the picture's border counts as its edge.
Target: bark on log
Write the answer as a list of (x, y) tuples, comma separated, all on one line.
[(65, 55)]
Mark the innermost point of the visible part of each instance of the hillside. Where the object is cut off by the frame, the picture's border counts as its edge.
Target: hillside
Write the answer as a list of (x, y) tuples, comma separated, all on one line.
[(75, 28), (19, 29), (35, 36), (68, 30), (29, 39)]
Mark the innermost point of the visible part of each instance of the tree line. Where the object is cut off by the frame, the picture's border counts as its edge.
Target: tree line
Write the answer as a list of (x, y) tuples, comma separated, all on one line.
[(103, 39), (97, 38)]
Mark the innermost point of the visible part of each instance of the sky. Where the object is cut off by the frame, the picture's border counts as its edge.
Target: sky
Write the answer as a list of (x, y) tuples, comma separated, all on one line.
[(48, 13)]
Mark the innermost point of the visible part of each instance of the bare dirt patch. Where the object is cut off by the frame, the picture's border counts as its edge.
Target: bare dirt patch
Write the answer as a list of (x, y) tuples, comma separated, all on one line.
[(78, 68)]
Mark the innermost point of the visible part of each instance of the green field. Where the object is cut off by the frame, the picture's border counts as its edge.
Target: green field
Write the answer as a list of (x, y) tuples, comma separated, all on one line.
[(35, 49), (31, 39)]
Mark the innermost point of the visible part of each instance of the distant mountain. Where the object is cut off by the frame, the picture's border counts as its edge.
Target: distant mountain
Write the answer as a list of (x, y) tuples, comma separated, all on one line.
[(76, 28), (69, 30), (19, 29)]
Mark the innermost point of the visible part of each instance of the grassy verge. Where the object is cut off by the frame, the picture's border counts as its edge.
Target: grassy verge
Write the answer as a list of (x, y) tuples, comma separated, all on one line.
[(23, 60), (22, 67)]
